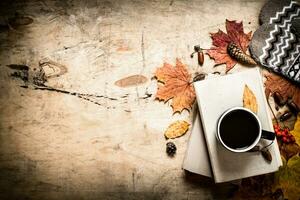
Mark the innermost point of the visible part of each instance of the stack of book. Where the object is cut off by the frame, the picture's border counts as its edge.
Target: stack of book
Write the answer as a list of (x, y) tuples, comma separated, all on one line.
[(205, 155)]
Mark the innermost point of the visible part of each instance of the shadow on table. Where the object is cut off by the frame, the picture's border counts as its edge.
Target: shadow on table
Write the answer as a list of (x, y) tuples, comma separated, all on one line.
[(218, 191)]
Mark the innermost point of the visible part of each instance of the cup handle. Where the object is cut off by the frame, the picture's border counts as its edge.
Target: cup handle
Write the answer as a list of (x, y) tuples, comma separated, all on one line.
[(268, 135)]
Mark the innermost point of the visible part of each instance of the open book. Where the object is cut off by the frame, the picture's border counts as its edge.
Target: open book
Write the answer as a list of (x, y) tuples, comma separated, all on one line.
[(204, 154)]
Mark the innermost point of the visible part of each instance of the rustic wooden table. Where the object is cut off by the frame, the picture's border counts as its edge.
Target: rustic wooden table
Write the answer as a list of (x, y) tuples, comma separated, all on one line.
[(108, 145)]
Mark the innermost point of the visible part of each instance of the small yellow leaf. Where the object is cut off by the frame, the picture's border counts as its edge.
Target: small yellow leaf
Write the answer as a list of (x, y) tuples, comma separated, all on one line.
[(249, 100), (296, 131), (177, 129)]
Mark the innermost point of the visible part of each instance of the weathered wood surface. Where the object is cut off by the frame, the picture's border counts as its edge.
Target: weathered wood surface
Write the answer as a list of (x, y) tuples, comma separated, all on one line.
[(55, 145)]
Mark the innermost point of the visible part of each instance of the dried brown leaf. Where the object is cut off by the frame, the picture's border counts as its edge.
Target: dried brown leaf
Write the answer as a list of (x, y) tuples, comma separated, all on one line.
[(131, 81), (289, 150), (285, 88)]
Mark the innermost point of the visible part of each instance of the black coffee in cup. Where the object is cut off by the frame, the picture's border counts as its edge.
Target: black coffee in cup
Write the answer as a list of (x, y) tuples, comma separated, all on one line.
[(239, 129)]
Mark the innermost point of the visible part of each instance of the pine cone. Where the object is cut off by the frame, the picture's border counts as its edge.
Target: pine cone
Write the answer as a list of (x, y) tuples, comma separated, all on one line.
[(236, 53), (171, 148)]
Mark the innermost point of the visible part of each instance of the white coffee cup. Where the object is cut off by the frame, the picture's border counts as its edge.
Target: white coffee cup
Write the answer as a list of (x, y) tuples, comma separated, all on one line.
[(229, 135)]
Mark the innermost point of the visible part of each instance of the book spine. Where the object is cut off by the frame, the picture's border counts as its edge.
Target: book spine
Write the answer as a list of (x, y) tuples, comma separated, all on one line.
[(206, 139)]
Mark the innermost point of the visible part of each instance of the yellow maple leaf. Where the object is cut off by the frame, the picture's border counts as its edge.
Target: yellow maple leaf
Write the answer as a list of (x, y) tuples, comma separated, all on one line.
[(177, 129), (288, 178), (176, 86), (296, 131)]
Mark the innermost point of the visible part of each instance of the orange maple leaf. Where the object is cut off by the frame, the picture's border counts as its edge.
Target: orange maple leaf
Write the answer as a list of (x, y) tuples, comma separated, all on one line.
[(285, 88), (235, 34), (176, 86)]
